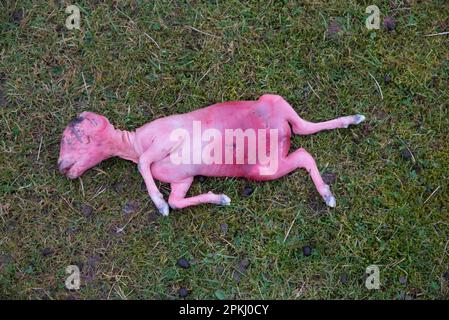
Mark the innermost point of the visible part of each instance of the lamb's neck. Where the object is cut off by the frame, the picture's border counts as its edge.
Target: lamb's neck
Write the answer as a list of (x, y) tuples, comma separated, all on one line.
[(122, 145)]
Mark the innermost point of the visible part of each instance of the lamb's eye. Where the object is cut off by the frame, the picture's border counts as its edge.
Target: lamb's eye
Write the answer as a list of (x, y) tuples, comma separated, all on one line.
[(76, 121)]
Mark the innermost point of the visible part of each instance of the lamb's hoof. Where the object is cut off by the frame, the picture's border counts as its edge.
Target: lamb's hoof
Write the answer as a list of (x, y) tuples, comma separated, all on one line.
[(330, 201), (224, 200), (358, 118), (164, 209)]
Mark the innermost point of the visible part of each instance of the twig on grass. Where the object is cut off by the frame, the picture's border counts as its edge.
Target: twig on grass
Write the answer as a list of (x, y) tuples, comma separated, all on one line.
[(39, 151), (290, 228), (82, 187), (436, 34), (119, 230), (431, 195), (85, 86), (203, 32), (313, 90), (154, 41), (378, 86)]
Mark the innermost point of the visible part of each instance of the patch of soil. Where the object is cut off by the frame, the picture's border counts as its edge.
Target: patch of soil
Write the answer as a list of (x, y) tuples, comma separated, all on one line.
[(17, 16), (183, 263), (389, 23), (87, 210), (315, 202), (130, 207), (247, 191), (224, 228), (329, 178), (153, 216), (333, 29)]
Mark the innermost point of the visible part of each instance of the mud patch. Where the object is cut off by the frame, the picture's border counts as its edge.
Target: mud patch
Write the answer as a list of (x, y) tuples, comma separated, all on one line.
[(130, 207), (87, 210), (329, 178), (17, 16), (240, 269), (247, 191), (153, 216), (333, 29), (389, 23), (315, 202), (224, 228)]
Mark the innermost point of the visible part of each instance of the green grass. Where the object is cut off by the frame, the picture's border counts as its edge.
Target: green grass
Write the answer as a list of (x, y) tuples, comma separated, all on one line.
[(387, 211)]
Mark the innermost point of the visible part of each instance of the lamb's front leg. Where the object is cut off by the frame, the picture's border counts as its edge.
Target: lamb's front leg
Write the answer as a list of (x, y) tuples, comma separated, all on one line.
[(178, 200), (156, 196)]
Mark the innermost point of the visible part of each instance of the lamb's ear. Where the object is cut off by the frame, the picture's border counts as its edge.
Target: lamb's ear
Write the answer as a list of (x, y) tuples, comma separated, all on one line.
[(97, 121)]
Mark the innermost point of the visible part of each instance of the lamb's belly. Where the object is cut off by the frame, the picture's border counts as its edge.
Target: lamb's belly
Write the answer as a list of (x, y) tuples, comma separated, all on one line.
[(226, 163), (220, 155), (167, 171)]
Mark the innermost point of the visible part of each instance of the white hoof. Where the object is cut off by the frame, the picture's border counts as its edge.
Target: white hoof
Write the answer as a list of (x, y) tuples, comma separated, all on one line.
[(359, 118), (330, 201), (164, 210), (225, 200)]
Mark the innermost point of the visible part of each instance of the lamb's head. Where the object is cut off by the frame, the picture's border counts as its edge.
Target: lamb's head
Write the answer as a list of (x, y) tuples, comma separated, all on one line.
[(84, 144)]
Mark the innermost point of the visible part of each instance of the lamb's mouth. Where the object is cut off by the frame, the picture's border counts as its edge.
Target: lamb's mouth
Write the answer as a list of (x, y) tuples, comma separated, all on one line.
[(65, 166), (72, 175)]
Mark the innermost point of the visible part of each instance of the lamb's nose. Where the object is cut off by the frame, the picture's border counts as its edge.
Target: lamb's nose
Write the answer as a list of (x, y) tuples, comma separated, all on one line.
[(64, 166)]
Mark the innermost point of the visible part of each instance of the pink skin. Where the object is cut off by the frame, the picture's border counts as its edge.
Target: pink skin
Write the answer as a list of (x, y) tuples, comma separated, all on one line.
[(90, 139)]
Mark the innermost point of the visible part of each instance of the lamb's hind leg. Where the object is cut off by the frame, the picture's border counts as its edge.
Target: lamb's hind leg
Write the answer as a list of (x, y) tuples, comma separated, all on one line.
[(303, 127), (178, 200), (302, 159)]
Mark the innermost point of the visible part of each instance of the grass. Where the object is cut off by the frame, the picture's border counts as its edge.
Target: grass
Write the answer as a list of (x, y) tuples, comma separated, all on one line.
[(140, 61)]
